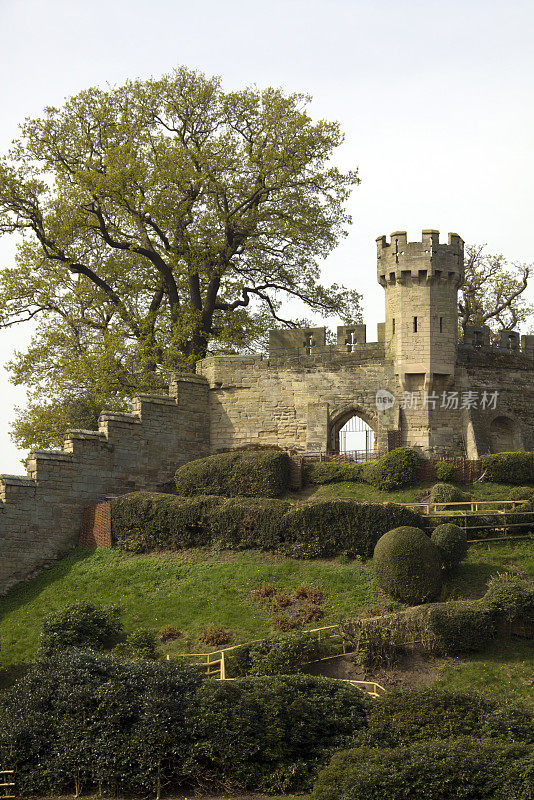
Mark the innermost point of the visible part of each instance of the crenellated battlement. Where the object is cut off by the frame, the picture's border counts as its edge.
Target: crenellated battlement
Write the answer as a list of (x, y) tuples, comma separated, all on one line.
[(427, 260), (40, 514)]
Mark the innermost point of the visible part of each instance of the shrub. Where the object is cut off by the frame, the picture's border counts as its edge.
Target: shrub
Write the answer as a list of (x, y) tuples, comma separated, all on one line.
[(451, 542), (402, 716), (79, 717), (446, 472), (283, 654), (139, 644), (246, 473), (516, 468), (146, 521), (446, 493), (521, 493), (169, 633), (215, 635), (407, 565), (398, 468), (463, 768), (272, 734), (80, 625), (510, 598), (332, 472), (460, 626)]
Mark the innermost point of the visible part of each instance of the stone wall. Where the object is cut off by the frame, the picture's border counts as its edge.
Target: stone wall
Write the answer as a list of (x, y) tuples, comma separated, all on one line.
[(40, 514), (296, 401)]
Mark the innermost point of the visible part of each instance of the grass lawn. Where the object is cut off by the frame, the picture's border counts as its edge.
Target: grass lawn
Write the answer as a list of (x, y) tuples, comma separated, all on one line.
[(365, 492), (505, 671)]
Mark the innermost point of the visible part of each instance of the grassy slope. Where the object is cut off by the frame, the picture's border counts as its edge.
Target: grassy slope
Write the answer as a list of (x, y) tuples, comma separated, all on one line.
[(197, 587), (186, 590)]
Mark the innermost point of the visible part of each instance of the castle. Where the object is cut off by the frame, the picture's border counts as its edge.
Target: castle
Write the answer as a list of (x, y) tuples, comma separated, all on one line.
[(416, 385)]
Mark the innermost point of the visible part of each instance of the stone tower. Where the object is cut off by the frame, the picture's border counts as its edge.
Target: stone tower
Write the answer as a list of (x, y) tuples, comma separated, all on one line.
[(421, 281)]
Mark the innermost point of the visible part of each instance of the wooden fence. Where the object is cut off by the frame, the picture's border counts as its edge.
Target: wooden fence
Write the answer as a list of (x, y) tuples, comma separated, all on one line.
[(7, 782), (501, 517), (213, 664)]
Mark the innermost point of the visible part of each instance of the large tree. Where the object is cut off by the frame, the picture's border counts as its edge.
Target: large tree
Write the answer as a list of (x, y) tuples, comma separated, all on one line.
[(160, 221), (493, 291)]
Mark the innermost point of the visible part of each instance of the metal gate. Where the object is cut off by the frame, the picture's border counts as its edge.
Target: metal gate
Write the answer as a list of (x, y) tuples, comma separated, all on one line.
[(356, 435)]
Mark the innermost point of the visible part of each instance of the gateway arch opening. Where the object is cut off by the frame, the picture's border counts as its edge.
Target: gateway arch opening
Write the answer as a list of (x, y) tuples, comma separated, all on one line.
[(353, 436)]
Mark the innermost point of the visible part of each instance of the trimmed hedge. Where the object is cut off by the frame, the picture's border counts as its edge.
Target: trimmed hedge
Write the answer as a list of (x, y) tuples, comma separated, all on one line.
[(461, 626), (407, 565), (522, 493), (245, 473), (81, 720), (333, 472), (394, 470), (516, 468), (462, 768), (272, 734), (402, 716), (147, 521)]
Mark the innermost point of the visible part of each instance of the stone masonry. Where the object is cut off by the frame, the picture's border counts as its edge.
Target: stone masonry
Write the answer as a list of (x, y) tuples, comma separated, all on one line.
[(446, 399)]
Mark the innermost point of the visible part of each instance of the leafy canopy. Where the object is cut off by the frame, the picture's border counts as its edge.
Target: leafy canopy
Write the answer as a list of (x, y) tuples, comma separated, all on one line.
[(493, 291), (159, 221)]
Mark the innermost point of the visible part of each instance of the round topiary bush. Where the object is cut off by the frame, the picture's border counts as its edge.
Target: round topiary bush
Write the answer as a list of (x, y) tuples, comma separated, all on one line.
[(408, 565), (451, 542), (446, 493), (446, 471)]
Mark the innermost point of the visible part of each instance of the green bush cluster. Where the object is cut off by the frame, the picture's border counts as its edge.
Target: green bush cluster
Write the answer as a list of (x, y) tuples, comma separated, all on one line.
[(333, 472), (394, 470), (391, 471), (243, 473), (461, 768), (146, 521), (408, 565), (279, 654), (445, 471), (139, 644), (516, 468), (460, 626), (446, 493), (81, 720), (80, 624), (451, 541), (510, 598), (522, 493)]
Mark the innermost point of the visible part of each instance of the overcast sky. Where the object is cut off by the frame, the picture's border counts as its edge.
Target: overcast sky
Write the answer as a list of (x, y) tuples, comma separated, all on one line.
[(435, 99)]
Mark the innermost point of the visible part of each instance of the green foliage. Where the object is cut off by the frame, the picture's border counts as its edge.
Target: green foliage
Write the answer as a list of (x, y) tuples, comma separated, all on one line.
[(521, 493), (451, 542), (460, 626), (161, 217), (42, 425), (139, 644), (509, 598), (333, 472), (284, 654), (272, 734), (80, 718), (446, 472), (512, 468), (398, 468), (446, 493), (402, 716), (252, 473), (145, 521), (460, 768), (80, 624), (408, 565)]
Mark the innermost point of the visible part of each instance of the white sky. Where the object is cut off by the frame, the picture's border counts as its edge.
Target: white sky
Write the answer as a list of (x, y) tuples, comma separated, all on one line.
[(435, 99)]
